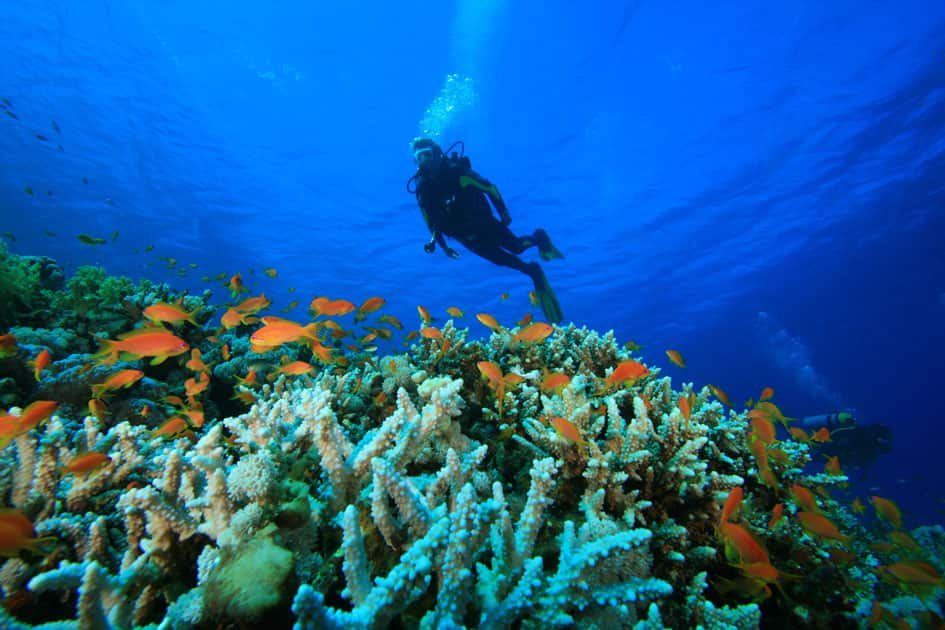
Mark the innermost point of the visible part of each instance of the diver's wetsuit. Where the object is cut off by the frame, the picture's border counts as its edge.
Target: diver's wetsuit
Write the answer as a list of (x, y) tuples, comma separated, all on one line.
[(455, 203)]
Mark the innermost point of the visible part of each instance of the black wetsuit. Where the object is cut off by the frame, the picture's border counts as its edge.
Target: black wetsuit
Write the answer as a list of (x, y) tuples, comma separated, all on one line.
[(455, 203)]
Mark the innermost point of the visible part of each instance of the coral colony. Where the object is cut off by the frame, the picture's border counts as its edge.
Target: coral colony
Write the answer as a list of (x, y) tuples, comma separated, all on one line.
[(170, 464)]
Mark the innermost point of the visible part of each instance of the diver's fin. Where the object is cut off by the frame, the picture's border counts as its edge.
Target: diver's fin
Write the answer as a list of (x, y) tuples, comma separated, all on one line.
[(546, 297), (546, 249)]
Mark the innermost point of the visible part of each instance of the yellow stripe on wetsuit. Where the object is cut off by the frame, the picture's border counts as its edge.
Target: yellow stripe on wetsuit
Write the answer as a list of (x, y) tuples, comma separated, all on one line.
[(491, 190)]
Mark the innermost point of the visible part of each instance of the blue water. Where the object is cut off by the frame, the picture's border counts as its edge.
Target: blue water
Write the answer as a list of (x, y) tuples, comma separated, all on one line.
[(759, 186)]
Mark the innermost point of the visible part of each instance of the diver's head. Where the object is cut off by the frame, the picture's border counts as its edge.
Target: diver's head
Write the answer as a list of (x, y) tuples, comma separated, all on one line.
[(427, 154)]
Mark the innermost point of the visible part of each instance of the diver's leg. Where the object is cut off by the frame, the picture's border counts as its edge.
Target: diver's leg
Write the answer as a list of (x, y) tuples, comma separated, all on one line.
[(507, 240), (546, 296)]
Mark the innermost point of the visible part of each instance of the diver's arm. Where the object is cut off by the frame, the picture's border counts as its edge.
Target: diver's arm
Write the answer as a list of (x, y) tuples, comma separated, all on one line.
[(474, 179), (436, 236)]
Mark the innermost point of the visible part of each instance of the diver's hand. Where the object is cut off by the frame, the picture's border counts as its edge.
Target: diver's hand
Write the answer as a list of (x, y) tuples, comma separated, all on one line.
[(452, 253), (429, 246)]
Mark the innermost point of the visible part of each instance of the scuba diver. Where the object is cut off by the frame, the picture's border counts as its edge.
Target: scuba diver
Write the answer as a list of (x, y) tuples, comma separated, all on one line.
[(855, 444), (455, 200)]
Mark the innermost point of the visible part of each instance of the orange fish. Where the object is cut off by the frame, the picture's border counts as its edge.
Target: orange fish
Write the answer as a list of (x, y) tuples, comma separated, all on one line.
[(277, 331), (567, 430), (253, 305), (174, 400), (35, 413), (904, 540), (431, 333), (762, 429), (425, 316), (413, 334), (164, 313), (821, 435), (804, 498), (225, 352), (491, 371), (628, 370), (86, 463), (887, 511), (247, 397), (271, 272), (233, 318), (8, 347), (741, 546), (330, 308), (555, 381), (455, 311), (236, 285), (533, 333), (249, 380), (98, 408), (144, 342), (720, 394), (504, 296), (122, 379), (525, 321), (819, 526), (832, 467), (533, 298), (489, 321), (173, 427), (857, 506), (17, 534), (295, 368), (683, 403), (676, 358), (40, 362), (194, 416), (766, 394), (193, 387), (145, 411), (195, 363), (383, 333), (799, 434), (916, 573), (370, 305), (732, 503)]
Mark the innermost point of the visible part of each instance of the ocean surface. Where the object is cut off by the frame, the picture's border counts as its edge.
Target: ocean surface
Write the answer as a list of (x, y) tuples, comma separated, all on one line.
[(759, 186)]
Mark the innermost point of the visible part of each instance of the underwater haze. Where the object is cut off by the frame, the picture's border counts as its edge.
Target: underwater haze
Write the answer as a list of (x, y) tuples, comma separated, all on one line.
[(758, 186)]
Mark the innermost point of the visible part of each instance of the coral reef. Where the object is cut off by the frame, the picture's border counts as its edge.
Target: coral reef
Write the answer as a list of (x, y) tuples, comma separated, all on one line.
[(413, 489)]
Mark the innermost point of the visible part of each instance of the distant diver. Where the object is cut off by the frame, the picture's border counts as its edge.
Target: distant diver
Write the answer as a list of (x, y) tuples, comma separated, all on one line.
[(855, 444), (455, 200)]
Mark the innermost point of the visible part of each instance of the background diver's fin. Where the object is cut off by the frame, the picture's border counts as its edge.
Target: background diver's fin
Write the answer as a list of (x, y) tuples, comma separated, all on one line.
[(547, 299)]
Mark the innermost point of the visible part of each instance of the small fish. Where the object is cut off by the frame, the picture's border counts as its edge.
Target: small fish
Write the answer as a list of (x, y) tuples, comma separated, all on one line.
[(295, 368), (330, 308), (431, 333), (555, 381), (11, 114), (40, 137), (49, 233), (35, 413), (17, 534), (819, 526), (122, 379), (857, 506), (533, 298), (271, 272), (821, 435), (632, 346), (277, 331), (109, 201), (799, 434), (567, 430), (225, 351), (172, 428), (249, 380), (413, 334), (504, 296), (29, 190), (114, 236), (157, 343), (291, 289), (55, 126), (676, 358), (741, 545), (719, 393), (91, 240), (253, 305), (776, 515), (85, 180), (732, 503), (236, 285), (195, 362), (5, 103), (86, 463), (145, 411), (148, 248), (763, 429), (9, 236), (766, 394), (628, 370), (425, 316), (489, 321), (164, 313), (40, 362), (533, 333), (455, 311), (887, 510), (98, 408), (291, 305), (525, 321), (390, 319), (194, 386), (370, 305), (804, 498)]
